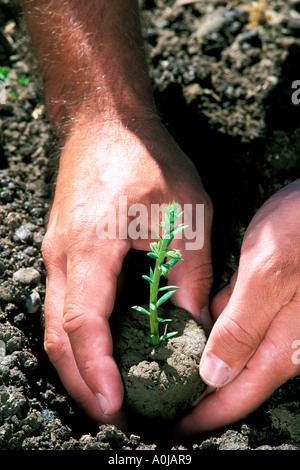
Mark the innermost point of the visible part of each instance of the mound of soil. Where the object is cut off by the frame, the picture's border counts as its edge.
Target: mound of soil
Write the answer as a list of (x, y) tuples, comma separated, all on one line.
[(161, 383), (222, 75)]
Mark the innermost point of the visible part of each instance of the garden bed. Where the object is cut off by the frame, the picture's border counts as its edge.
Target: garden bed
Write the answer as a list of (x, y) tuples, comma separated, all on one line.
[(222, 79)]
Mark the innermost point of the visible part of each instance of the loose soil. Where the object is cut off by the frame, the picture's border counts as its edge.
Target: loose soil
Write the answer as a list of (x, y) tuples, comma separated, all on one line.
[(222, 78)]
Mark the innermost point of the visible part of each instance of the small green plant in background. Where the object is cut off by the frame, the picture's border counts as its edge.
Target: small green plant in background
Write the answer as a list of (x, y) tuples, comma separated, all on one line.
[(24, 80), (160, 252), (3, 73)]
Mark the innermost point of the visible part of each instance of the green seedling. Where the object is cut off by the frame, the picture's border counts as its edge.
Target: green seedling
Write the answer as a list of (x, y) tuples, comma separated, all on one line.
[(165, 258), (3, 73)]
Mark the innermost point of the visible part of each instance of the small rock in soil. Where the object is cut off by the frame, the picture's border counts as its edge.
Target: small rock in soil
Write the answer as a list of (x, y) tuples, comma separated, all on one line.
[(29, 276)]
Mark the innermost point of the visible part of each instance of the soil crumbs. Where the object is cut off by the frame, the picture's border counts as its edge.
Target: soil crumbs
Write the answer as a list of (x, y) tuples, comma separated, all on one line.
[(222, 75)]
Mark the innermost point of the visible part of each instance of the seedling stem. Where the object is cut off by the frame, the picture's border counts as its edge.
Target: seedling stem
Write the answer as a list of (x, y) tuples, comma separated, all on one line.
[(160, 251)]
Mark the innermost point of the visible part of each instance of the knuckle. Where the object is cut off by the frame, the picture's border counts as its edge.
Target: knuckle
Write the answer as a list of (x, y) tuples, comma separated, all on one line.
[(278, 275), (273, 266), (47, 248), (238, 340), (207, 275), (52, 255), (73, 319), (206, 284), (201, 276), (54, 346)]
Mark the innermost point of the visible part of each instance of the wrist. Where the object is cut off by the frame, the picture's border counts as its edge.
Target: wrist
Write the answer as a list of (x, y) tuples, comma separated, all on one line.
[(91, 59), (98, 104)]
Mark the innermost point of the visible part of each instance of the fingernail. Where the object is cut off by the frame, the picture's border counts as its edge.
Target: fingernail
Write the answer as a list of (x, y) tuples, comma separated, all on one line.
[(213, 370), (103, 402)]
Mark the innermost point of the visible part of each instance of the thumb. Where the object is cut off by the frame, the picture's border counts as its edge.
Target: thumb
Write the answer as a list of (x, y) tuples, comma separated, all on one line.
[(238, 330)]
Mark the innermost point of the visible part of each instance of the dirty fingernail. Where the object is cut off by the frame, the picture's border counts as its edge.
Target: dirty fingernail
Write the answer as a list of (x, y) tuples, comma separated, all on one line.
[(213, 370), (103, 402)]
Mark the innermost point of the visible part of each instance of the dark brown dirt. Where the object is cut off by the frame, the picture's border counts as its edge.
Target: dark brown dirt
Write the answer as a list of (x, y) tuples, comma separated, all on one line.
[(223, 88)]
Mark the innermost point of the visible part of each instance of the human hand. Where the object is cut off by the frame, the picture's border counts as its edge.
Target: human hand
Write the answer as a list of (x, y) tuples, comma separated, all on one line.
[(99, 164), (250, 352)]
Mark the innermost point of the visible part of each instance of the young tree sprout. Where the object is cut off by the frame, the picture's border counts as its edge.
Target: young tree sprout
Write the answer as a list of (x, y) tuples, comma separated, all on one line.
[(160, 251)]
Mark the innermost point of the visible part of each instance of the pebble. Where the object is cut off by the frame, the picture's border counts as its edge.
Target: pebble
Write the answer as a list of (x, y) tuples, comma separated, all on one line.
[(231, 19), (48, 414), (24, 233), (7, 293), (33, 302), (13, 220), (28, 276), (211, 22)]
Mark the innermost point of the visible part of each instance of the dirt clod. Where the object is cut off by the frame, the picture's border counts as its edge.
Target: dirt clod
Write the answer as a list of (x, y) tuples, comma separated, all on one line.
[(162, 382)]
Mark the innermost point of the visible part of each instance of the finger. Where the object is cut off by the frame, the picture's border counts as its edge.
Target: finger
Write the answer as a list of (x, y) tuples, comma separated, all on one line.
[(240, 328), (194, 277), (221, 299), (59, 350), (89, 300), (270, 367)]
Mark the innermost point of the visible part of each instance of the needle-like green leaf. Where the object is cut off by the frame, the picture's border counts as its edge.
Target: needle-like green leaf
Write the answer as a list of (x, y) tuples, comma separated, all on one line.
[(141, 309), (147, 278), (152, 255), (167, 288), (164, 298), (168, 335)]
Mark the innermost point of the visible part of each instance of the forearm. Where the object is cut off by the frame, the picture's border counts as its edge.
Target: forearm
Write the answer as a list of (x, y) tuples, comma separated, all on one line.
[(91, 59)]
